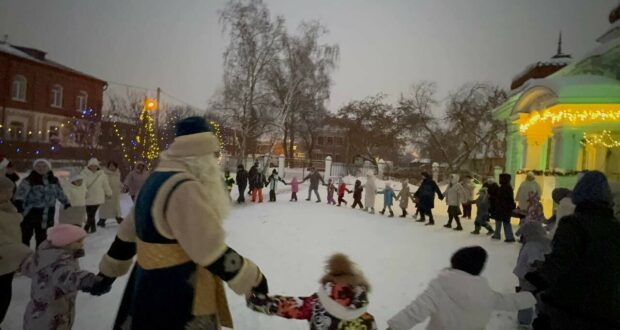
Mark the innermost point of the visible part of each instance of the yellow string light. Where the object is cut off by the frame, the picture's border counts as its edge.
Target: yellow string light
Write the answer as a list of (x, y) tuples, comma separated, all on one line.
[(605, 139), (569, 115)]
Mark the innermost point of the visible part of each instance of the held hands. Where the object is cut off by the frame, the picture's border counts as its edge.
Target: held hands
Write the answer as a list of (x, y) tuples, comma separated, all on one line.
[(102, 285), (262, 287)]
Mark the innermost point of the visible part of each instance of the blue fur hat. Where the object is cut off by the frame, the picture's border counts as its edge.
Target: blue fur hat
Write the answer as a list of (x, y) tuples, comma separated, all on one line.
[(593, 187), (192, 125)]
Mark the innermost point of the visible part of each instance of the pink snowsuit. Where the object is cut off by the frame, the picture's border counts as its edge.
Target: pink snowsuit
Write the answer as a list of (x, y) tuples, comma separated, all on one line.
[(294, 189)]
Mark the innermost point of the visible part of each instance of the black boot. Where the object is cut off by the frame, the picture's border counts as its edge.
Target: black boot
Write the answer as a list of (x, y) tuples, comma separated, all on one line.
[(382, 211), (119, 220), (430, 223), (391, 214), (101, 223)]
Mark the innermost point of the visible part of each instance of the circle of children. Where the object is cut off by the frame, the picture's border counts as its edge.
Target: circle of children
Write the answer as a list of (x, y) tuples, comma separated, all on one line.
[(568, 267)]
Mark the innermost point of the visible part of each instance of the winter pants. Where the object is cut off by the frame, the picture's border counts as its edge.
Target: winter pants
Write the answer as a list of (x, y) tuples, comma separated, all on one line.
[(341, 200), (357, 202), (316, 192), (467, 210), (6, 292), (91, 212), (429, 213), (241, 198), (404, 212), (257, 195), (507, 229), (33, 225), (389, 207), (272, 195), (330, 199), (455, 218), (482, 221), (293, 196)]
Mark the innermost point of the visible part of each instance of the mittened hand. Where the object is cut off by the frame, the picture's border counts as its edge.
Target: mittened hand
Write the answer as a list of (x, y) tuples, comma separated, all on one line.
[(68, 205), (102, 285)]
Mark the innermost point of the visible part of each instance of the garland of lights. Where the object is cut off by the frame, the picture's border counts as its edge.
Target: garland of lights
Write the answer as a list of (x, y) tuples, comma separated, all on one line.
[(572, 116), (604, 139)]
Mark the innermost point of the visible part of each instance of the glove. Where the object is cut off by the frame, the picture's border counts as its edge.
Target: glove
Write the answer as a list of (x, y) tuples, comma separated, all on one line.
[(262, 287), (68, 205), (19, 205), (102, 285)]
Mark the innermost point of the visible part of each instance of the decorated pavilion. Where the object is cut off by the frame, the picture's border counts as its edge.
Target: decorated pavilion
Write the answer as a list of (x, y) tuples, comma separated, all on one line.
[(564, 116)]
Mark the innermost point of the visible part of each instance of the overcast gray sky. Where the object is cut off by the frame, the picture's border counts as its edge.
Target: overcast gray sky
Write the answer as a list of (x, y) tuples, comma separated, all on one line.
[(385, 45)]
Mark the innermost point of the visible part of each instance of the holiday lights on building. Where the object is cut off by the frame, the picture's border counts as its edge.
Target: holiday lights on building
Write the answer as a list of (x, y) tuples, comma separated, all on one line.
[(604, 139), (567, 114)]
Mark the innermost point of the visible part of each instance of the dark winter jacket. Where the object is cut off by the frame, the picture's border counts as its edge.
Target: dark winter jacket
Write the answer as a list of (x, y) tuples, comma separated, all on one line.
[(493, 189), (426, 194), (13, 177), (229, 182), (314, 178), (505, 199), (357, 191), (242, 178), (252, 174), (273, 181), (259, 180), (39, 192), (581, 275)]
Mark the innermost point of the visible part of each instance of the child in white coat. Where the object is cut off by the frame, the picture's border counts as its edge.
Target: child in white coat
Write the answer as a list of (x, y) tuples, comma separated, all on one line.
[(460, 299)]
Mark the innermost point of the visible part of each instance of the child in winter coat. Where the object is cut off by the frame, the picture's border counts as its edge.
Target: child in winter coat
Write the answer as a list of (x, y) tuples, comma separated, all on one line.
[(455, 196), (459, 298), (56, 279), (294, 188), (388, 199), (483, 205), (342, 188), (357, 194), (12, 250), (536, 246), (331, 188), (404, 195), (75, 189), (273, 184), (229, 181), (340, 303), (258, 183)]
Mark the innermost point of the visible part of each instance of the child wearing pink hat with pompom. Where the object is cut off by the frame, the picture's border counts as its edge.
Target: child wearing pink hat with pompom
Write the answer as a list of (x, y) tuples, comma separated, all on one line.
[(56, 278)]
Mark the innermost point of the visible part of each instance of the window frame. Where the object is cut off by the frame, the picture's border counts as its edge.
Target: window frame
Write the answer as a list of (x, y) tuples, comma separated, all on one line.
[(56, 94), (82, 95), (49, 126), (19, 86), (9, 130)]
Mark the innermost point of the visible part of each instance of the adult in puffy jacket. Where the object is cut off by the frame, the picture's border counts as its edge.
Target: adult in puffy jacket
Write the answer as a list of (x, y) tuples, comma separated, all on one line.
[(36, 198), (135, 179), (503, 209), (314, 177), (426, 197), (242, 182), (580, 278), (527, 189), (459, 298), (252, 176), (111, 208), (97, 191), (493, 190)]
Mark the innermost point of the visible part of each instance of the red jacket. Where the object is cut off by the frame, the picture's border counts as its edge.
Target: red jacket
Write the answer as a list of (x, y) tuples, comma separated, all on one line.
[(342, 188)]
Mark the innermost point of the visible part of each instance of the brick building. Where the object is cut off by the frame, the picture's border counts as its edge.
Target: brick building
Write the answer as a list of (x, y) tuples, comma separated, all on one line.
[(47, 109)]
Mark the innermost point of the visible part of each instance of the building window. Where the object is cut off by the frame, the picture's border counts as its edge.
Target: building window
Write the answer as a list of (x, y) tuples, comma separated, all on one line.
[(53, 132), (82, 101), (330, 141), (17, 130), (339, 141), (321, 140), (56, 97), (18, 89)]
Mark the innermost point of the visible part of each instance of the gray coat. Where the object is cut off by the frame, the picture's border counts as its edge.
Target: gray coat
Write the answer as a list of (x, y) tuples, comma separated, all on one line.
[(314, 178), (404, 195), (12, 250), (56, 279)]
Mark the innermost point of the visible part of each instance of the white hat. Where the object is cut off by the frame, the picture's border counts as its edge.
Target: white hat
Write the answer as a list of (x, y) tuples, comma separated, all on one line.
[(93, 161), (42, 160)]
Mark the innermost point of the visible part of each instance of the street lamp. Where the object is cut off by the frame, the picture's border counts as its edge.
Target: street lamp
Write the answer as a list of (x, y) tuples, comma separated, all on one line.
[(150, 104)]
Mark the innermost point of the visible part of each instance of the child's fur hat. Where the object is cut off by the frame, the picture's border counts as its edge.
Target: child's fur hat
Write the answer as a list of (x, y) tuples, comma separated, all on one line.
[(340, 269)]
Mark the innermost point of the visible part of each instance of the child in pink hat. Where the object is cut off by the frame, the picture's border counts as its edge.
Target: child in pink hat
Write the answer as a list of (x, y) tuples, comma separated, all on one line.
[(56, 279)]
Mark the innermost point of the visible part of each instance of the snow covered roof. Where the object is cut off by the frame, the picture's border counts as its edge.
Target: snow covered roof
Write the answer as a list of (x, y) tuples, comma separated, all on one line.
[(27, 54)]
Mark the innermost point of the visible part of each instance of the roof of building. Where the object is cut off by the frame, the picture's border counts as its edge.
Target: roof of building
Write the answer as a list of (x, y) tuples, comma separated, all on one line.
[(38, 56), (543, 68)]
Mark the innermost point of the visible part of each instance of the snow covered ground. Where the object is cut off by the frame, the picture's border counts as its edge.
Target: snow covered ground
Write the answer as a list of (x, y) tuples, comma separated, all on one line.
[(290, 241)]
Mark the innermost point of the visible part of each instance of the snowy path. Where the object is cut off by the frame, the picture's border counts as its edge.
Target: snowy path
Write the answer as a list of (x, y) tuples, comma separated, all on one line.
[(290, 241)]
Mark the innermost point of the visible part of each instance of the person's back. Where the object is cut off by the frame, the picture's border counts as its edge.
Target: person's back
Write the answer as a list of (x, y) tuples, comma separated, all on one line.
[(458, 298)]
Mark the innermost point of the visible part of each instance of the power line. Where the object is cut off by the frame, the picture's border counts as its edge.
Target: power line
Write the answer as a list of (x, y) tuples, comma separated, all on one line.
[(153, 89)]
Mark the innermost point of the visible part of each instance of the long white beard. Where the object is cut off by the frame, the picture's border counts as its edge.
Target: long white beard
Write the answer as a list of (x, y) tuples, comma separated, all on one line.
[(207, 170)]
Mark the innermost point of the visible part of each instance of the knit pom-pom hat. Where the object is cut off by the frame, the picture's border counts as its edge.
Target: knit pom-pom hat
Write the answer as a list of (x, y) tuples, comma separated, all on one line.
[(64, 234), (340, 269)]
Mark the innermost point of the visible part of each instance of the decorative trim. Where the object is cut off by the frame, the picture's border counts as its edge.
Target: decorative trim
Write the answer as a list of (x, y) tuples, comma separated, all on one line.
[(338, 310)]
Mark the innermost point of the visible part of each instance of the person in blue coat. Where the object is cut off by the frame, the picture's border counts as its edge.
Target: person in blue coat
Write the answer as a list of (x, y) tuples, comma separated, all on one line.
[(388, 199)]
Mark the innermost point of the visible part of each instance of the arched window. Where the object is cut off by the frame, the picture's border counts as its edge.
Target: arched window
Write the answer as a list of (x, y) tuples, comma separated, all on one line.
[(18, 89), (82, 101), (56, 96)]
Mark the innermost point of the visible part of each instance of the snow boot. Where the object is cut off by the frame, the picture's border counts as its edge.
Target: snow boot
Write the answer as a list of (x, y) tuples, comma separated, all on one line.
[(490, 232), (101, 223), (382, 212), (308, 199), (372, 210), (458, 228), (430, 223), (475, 232), (447, 226), (119, 220), (318, 201), (391, 214)]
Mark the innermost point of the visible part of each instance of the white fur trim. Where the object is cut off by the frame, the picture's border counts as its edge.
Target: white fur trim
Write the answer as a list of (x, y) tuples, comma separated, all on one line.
[(157, 209), (114, 268), (248, 277), (194, 145), (42, 160), (4, 163), (337, 310)]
